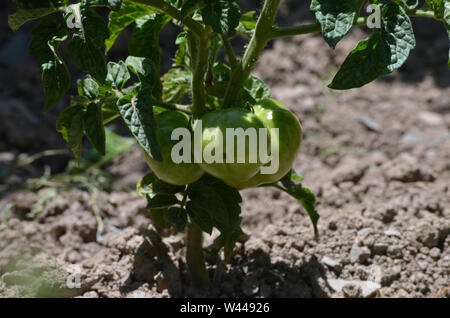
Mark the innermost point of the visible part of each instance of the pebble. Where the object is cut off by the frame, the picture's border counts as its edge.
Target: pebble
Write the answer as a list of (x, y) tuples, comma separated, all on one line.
[(333, 264), (369, 123), (435, 253), (431, 118), (359, 254), (364, 232), (392, 233), (368, 288)]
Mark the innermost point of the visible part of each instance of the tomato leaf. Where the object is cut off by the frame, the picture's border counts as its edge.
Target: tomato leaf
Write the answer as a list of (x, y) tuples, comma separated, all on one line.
[(292, 186), (45, 40), (158, 217), (112, 4), (222, 15), (118, 20), (176, 84), (335, 17), (177, 217), (118, 75), (247, 24), (214, 204), (85, 48), (94, 127), (137, 112), (89, 88), (144, 68), (189, 6), (70, 125), (32, 9), (182, 57), (411, 4), (257, 89), (145, 43), (385, 51), (308, 201), (160, 201)]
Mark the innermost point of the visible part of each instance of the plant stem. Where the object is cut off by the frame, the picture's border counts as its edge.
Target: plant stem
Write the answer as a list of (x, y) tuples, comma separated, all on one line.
[(262, 35), (199, 47), (194, 256), (182, 108), (421, 13), (196, 27), (280, 32), (230, 52)]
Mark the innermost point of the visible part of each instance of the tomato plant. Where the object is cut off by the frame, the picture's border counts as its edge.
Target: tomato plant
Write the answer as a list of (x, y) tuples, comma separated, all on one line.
[(221, 92)]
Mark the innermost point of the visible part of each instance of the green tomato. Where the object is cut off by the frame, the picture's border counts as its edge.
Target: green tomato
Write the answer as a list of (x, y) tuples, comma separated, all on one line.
[(231, 164), (275, 115), (168, 171)]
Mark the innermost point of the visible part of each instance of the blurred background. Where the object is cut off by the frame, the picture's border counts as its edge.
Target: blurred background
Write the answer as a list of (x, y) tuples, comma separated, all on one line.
[(377, 157)]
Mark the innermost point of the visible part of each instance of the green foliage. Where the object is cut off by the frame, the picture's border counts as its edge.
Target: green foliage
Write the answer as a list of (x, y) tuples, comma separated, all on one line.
[(137, 113), (291, 185), (214, 204), (385, 51), (176, 84), (86, 45), (335, 17), (222, 15), (247, 24), (118, 20), (118, 75), (199, 76), (45, 40)]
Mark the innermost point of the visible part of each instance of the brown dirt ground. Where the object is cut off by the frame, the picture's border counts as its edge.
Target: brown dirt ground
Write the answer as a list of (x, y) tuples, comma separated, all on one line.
[(377, 157)]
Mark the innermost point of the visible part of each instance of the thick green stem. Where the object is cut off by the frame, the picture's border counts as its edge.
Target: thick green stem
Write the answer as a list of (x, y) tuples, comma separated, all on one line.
[(230, 52), (196, 27), (194, 256), (199, 48), (182, 108), (280, 32), (262, 35)]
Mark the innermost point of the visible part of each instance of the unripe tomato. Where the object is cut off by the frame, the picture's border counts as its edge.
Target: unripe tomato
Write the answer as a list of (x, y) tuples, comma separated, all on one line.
[(168, 171), (214, 136), (275, 115)]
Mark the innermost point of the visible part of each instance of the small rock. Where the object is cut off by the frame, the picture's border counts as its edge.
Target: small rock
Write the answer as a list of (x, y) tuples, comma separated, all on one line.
[(364, 232), (137, 294), (431, 118), (390, 275), (427, 235), (411, 139), (395, 251), (435, 253), (331, 263), (369, 123), (368, 288), (90, 294), (359, 254), (392, 233), (380, 248)]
